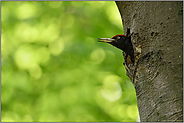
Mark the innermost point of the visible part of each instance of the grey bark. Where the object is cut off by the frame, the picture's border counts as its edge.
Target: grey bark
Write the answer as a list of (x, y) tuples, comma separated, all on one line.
[(157, 37)]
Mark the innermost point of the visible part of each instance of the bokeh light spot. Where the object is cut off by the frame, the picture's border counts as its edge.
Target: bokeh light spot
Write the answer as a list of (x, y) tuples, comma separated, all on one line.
[(56, 47), (43, 54), (132, 111), (97, 56), (122, 111), (25, 57), (113, 93), (35, 71), (111, 90), (26, 33), (26, 10)]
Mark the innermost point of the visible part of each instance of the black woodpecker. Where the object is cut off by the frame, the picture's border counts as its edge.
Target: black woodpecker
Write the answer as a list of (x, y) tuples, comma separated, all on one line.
[(122, 42)]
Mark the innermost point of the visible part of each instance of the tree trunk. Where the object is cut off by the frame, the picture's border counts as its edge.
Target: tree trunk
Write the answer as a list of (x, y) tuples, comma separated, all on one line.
[(157, 35)]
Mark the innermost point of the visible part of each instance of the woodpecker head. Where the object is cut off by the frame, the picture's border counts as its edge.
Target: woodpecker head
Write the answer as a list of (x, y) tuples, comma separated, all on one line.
[(119, 41), (122, 42)]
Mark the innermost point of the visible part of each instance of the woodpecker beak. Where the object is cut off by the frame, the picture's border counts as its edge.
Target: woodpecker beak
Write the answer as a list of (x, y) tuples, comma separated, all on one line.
[(107, 40)]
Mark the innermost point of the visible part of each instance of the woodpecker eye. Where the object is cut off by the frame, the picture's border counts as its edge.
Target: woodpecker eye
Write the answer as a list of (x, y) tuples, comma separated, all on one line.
[(117, 37)]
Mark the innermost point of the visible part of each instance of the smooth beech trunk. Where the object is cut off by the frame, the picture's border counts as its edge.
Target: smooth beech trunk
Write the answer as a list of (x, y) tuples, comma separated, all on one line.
[(157, 36)]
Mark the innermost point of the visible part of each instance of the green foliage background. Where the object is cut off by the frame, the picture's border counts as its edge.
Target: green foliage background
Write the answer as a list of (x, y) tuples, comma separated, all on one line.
[(53, 69)]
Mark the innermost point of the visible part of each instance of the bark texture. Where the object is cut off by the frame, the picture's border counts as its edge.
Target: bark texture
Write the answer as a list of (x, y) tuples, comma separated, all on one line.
[(157, 38)]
